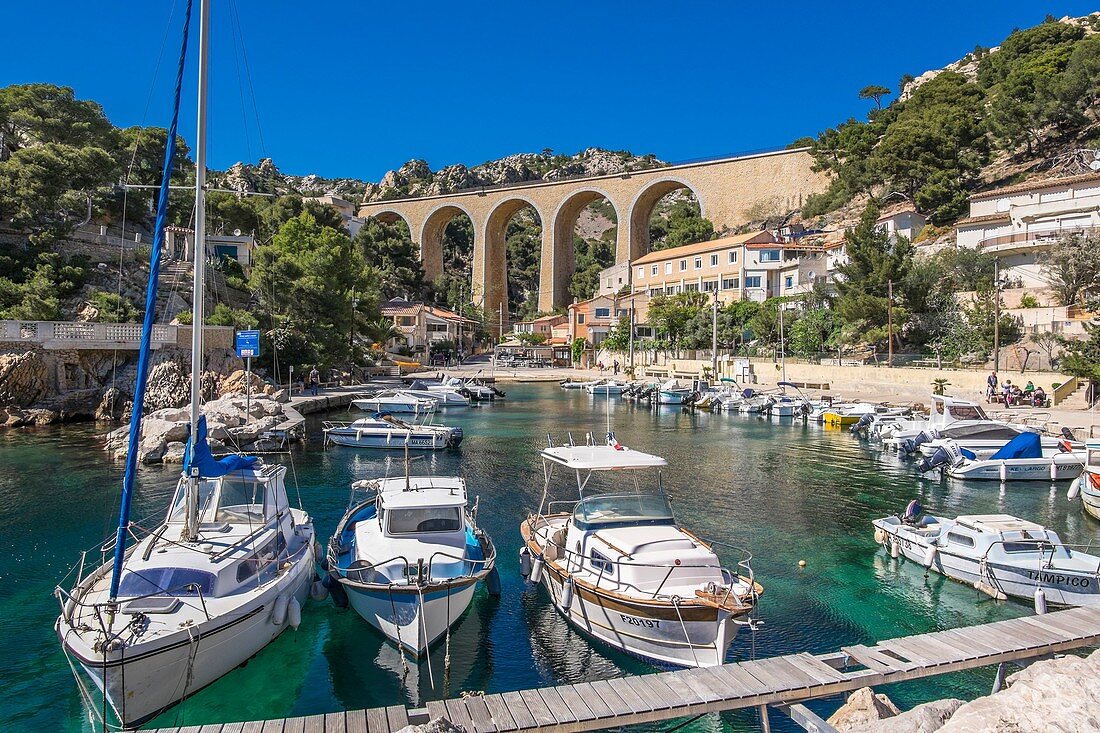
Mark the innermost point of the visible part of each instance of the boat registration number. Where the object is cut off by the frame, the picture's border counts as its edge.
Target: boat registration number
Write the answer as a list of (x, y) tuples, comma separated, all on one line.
[(648, 623)]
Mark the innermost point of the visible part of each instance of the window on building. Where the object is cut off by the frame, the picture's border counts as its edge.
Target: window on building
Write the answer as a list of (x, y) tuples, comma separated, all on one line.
[(731, 283), (407, 320), (622, 313), (698, 263), (603, 313), (653, 271), (641, 273), (710, 286), (714, 260), (733, 256), (683, 265), (788, 282), (769, 255), (580, 318), (691, 288), (437, 328), (643, 332), (668, 268), (609, 282), (656, 291), (753, 281)]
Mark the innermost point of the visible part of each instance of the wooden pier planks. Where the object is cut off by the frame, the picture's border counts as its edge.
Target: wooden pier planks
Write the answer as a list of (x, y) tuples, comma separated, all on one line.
[(772, 681)]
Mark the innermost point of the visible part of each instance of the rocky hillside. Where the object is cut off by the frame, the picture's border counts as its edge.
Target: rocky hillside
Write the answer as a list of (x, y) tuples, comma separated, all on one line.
[(265, 177)]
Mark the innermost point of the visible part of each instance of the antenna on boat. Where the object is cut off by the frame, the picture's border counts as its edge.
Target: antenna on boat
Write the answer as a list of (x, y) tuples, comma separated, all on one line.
[(407, 480)]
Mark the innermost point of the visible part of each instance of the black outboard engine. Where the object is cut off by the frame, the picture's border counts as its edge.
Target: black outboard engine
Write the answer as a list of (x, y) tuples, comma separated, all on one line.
[(861, 425), (912, 514), (939, 458), (910, 445)]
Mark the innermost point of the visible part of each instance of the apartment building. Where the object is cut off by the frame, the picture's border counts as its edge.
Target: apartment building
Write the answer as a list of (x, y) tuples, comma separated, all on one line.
[(422, 325), (1017, 224), (718, 265)]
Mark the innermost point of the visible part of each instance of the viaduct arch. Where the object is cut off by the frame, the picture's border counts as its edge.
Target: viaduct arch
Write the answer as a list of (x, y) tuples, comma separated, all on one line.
[(724, 187)]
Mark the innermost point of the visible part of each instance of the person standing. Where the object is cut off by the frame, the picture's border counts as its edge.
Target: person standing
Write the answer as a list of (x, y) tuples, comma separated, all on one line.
[(314, 381), (990, 386)]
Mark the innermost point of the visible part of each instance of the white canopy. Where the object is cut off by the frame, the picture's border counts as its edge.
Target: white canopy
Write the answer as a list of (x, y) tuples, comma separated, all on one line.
[(601, 458), (998, 523)]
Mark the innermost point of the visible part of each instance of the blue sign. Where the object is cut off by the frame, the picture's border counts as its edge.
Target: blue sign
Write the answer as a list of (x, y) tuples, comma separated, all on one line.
[(248, 343)]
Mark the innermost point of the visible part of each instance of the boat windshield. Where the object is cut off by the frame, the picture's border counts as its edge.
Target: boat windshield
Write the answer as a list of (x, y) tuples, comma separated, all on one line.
[(165, 582), (240, 499), (424, 519), (623, 509), (967, 412)]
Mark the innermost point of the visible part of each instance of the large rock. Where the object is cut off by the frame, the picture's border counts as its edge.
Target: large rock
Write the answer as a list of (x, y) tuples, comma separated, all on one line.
[(24, 379), (1053, 695), (435, 725), (862, 708), (168, 386), (867, 712)]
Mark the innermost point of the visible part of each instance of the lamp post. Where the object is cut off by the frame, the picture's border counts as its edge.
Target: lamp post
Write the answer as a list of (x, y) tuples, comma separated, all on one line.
[(714, 339), (996, 314)]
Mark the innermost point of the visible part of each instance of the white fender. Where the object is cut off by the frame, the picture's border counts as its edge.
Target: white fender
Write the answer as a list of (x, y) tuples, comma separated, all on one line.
[(1004, 471), (1053, 470), (318, 591), (294, 613), (1040, 601), (278, 611), (567, 594), (930, 556), (894, 548), (536, 569), (1075, 487)]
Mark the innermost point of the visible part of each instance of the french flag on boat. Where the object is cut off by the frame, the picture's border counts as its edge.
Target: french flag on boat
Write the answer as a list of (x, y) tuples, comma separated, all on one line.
[(613, 441)]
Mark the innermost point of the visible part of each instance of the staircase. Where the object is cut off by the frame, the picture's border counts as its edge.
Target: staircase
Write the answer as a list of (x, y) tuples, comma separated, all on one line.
[(1075, 400)]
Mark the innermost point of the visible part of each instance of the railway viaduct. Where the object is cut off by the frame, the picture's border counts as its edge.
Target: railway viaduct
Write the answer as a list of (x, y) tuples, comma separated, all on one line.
[(724, 187)]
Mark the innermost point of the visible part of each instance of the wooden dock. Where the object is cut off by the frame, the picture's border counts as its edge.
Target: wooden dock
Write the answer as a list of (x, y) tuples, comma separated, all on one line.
[(782, 682)]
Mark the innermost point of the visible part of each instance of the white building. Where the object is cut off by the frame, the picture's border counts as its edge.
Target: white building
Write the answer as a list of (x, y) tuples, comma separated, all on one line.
[(346, 209), (901, 221), (614, 278), (1018, 223)]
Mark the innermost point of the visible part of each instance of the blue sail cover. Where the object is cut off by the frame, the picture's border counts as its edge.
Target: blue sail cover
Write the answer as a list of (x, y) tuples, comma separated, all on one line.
[(203, 459), (147, 323), (1024, 445)]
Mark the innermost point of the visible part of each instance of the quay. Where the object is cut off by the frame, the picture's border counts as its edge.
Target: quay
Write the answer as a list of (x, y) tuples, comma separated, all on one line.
[(783, 683)]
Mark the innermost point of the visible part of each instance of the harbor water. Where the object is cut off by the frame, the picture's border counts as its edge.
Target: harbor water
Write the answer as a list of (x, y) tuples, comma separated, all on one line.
[(783, 490)]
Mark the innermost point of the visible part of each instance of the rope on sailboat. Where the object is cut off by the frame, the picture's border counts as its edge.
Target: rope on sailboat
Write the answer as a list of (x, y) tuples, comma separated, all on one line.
[(397, 629), (676, 605), (447, 650), (424, 629)]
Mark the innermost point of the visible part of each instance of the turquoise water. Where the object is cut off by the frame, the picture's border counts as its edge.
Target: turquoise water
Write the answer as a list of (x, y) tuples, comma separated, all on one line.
[(785, 491)]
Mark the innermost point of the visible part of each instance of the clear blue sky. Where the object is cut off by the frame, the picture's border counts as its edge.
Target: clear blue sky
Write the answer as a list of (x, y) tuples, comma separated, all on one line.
[(354, 88)]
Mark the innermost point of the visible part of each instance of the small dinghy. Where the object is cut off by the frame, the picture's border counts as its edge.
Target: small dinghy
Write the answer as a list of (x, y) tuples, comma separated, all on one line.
[(409, 557), (673, 393), (1020, 459), (385, 431), (619, 567), (998, 554), (607, 388)]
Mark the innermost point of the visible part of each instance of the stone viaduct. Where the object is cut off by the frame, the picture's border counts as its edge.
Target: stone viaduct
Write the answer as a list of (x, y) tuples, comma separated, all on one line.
[(724, 187)]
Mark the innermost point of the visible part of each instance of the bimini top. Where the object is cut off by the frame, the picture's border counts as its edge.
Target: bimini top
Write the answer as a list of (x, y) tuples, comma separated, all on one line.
[(998, 523), (601, 457), (423, 491)]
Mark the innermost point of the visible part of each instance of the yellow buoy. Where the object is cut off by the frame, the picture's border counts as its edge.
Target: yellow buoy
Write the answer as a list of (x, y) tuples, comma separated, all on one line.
[(801, 563)]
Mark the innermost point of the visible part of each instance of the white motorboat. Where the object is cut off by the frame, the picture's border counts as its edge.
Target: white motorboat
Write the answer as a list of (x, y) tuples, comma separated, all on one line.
[(1020, 459), (223, 574), (571, 383), (998, 554), (385, 431), (606, 388), (1087, 484), (987, 440), (943, 411), (409, 557), (620, 568), (673, 393), (395, 400), (444, 394)]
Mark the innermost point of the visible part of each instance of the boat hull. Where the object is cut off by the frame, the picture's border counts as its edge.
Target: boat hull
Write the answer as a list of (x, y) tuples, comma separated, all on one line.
[(1062, 587), (383, 442), (671, 398), (1020, 469), (411, 620), (180, 664)]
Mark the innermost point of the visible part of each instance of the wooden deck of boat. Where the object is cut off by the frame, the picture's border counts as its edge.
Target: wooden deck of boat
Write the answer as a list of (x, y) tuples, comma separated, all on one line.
[(776, 681)]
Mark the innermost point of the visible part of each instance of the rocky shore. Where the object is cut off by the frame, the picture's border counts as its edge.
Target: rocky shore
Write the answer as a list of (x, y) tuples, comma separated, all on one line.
[(1052, 695)]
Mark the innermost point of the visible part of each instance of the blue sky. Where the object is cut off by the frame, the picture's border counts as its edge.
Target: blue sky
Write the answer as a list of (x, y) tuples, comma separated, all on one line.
[(355, 88)]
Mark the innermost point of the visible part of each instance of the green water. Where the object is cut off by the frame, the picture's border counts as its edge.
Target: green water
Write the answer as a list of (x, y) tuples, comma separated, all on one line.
[(785, 491)]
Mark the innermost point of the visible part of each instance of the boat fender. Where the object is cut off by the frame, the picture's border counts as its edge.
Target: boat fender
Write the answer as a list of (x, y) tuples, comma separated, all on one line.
[(895, 549), (536, 569), (930, 556), (278, 611), (525, 562), (492, 582), (294, 613), (336, 591), (1074, 488), (317, 590), (1004, 471), (1053, 470), (1040, 602), (567, 594), (880, 536)]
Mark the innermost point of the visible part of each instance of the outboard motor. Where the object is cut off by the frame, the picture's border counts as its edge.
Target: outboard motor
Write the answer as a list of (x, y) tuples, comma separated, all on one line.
[(912, 513), (949, 454), (910, 445), (861, 424)]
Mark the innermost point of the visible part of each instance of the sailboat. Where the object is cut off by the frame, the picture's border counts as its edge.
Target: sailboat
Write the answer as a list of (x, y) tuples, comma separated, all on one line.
[(227, 569)]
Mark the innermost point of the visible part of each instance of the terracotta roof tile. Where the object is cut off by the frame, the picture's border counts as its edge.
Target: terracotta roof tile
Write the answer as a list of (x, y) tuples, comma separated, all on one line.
[(701, 247), (1036, 185), (984, 219)]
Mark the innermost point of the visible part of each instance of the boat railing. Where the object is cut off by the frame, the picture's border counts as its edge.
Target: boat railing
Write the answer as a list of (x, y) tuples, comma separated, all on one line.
[(70, 602), (408, 566), (485, 562), (1042, 546), (576, 558)]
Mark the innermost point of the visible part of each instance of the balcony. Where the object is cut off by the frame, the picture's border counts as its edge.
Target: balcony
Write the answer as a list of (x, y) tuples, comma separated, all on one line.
[(1021, 242), (53, 335)]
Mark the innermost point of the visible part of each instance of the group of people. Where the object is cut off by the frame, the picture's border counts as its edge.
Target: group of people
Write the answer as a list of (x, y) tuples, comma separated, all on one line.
[(1012, 394)]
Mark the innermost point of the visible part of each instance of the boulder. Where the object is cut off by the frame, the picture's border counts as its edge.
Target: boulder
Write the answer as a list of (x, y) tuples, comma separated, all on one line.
[(24, 378), (173, 452), (281, 395), (168, 386), (435, 725), (862, 709), (1053, 695)]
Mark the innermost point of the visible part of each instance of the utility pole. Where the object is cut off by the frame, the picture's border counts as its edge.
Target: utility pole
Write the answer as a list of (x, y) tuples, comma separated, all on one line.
[(996, 314), (890, 323), (500, 323), (632, 336), (714, 340), (782, 345)]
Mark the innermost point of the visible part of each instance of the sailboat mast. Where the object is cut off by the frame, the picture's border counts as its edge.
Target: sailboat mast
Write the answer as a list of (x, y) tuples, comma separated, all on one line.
[(199, 260)]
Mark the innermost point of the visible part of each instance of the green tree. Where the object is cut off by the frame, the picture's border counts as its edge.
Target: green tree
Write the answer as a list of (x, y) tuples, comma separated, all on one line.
[(393, 255), (875, 92), (1073, 268), (811, 332), (113, 308), (1082, 358), (669, 315), (683, 224)]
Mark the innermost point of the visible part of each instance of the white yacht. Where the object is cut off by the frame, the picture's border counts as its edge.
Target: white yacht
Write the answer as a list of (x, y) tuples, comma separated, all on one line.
[(409, 557), (446, 395), (228, 568), (395, 400), (385, 431), (998, 554), (618, 566), (1020, 459)]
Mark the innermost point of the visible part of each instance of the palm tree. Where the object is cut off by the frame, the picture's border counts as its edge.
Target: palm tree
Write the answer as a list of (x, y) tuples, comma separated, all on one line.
[(383, 331)]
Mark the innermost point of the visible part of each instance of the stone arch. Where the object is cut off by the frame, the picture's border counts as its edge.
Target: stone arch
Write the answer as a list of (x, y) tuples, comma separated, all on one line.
[(390, 216), (558, 256), (494, 261), (431, 237), (641, 209)]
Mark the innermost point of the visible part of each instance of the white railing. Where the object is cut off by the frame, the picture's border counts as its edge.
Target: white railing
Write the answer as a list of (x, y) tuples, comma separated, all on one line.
[(82, 335)]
